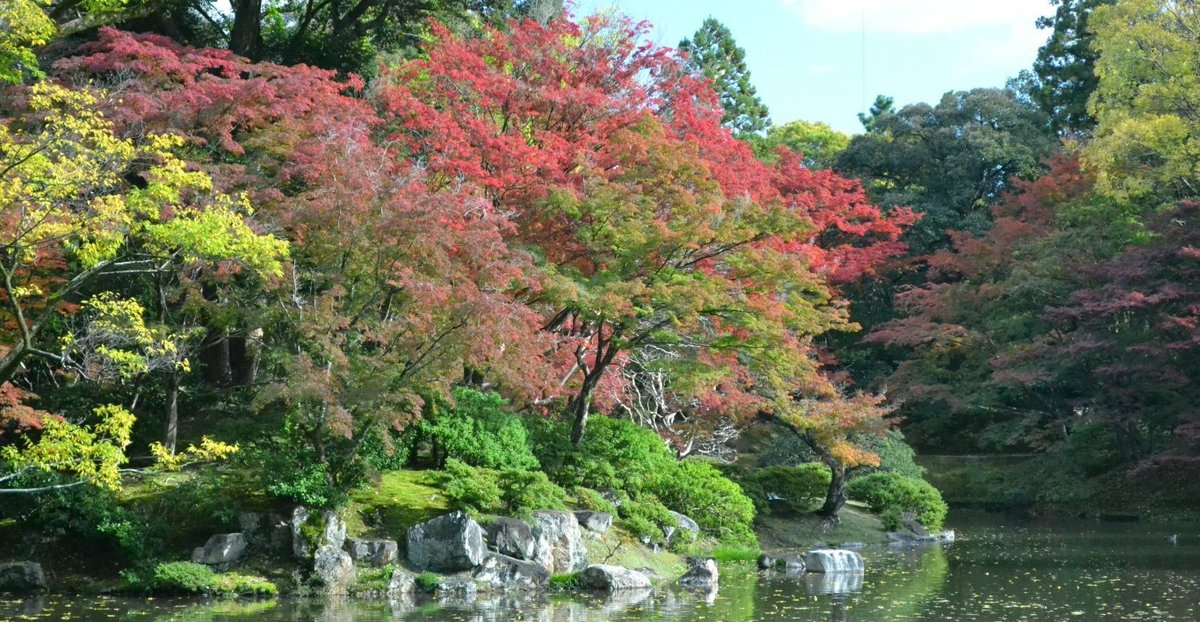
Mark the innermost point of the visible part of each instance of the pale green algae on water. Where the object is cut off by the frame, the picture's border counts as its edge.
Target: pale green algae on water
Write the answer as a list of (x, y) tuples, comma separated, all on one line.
[(1000, 570)]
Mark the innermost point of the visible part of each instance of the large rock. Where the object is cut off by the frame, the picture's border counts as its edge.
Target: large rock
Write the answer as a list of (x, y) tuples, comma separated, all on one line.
[(403, 584), (301, 549), (834, 560), (372, 552), (334, 533), (608, 578), (686, 525), (559, 542), (595, 522), (22, 577), (512, 537), (221, 551), (334, 569), (784, 561), (448, 543), (499, 572), (701, 573)]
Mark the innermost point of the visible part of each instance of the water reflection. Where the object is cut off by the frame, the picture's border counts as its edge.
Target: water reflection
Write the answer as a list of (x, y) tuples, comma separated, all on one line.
[(834, 583), (995, 572)]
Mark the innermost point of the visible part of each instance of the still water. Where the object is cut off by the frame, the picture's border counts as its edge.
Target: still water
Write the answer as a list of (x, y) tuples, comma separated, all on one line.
[(998, 570)]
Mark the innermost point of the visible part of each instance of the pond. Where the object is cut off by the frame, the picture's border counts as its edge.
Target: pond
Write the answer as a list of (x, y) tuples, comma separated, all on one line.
[(1000, 569)]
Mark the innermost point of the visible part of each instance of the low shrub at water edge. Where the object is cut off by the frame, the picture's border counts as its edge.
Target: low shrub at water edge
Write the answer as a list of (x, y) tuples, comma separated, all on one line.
[(891, 494), (193, 578), (428, 581), (733, 553), (564, 582), (186, 577)]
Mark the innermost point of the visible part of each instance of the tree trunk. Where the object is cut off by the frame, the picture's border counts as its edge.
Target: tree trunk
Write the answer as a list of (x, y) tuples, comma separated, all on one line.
[(835, 498), (581, 405), (218, 369), (245, 37), (171, 427)]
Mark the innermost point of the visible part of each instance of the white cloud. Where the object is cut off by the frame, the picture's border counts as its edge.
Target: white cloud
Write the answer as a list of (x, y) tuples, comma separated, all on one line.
[(916, 16)]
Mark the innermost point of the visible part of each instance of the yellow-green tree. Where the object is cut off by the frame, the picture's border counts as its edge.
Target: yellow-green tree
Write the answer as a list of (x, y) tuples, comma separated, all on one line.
[(1147, 103), (80, 206)]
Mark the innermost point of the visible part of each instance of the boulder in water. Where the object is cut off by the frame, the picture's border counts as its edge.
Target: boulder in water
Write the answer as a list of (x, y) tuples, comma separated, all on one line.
[(701, 573), (833, 560), (498, 572), (604, 577), (22, 577)]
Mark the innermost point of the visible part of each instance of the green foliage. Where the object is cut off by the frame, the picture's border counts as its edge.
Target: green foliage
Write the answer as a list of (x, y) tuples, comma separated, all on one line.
[(1066, 65), (183, 577), (735, 553), (895, 455), (615, 453), (819, 143), (700, 491), (891, 494), (713, 52), (525, 491), (471, 489), (26, 26), (589, 499), (289, 470), (428, 581), (192, 578), (645, 519), (476, 430), (564, 582), (797, 488), (232, 583)]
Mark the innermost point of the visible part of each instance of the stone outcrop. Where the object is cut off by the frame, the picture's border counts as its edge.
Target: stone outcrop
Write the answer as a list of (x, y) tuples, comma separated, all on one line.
[(595, 522), (221, 551), (402, 585), (499, 572), (559, 542), (701, 573), (334, 569), (511, 537), (685, 525), (301, 549), (372, 552), (448, 543), (603, 577), (20, 577), (833, 560)]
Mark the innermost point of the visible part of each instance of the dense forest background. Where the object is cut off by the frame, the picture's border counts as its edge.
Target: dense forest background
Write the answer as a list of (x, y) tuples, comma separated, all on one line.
[(310, 238)]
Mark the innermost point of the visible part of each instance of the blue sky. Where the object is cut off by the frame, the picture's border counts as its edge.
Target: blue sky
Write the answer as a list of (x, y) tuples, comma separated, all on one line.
[(806, 56)]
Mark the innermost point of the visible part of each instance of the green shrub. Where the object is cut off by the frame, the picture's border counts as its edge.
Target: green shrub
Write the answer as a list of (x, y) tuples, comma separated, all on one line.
[(891, 494), (183, 577), (428, 581), (697, 489), (471, 489), (564, 582), (895, 455), (646, 518), (588, 499), (234, 584), (477, 431), (614, 453), (735, 553), (525, 491), (796, 488)]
